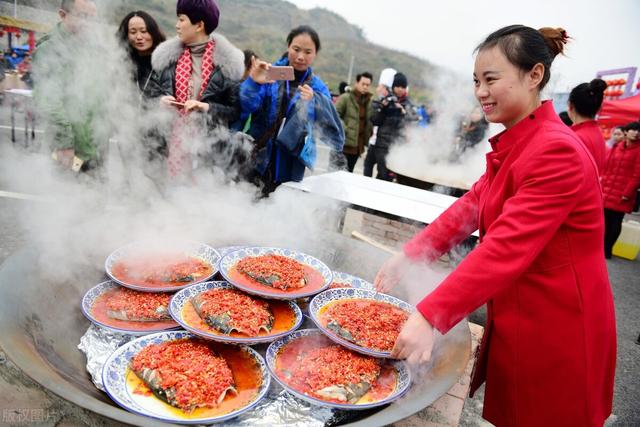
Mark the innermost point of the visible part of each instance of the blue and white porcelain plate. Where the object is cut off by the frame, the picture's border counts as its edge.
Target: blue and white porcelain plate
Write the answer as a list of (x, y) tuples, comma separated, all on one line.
[(229, 261), (114, 376), (332, 295), (350, 280), (223, 250), (183, 298), (403, 381), (192, 249), (114, 325)]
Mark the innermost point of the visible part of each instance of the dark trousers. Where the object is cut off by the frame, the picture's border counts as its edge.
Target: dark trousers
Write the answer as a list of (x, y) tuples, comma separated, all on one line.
[(352, 159), (377, 156), (612, 229)]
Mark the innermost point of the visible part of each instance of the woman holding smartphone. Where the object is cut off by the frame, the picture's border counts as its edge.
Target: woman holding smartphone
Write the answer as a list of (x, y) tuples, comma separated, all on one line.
[(289, 116), (198, 73), (549, 348)]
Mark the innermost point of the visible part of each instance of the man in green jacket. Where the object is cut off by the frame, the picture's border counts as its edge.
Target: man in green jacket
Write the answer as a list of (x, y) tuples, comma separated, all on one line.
[(354, 108), (66, 106)]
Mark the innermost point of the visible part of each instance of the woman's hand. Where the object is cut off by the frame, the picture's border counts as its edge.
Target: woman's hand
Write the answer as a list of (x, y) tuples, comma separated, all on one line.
[(259, 70), (167, 100), (306, 93), (391, 272), (415, 342), (193, 105)]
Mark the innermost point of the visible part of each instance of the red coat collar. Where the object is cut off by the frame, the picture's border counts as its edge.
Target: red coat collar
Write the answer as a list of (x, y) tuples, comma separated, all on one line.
[(587, 124), (506, 139)]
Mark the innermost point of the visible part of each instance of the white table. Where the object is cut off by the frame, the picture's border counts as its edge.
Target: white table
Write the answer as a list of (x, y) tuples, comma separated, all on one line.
[(382, 196), (427, 175)]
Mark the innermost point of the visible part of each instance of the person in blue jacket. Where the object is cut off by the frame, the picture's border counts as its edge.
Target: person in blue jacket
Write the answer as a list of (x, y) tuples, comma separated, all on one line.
[(288, 118)]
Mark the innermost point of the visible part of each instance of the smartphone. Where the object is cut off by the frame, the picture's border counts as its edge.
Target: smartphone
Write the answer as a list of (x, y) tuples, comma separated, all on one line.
[(280, 73)]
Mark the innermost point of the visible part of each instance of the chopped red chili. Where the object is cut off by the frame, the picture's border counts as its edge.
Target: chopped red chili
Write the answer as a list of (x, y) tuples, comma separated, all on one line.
[(372, 324), (191, 368), (246, 314), (278, 271), (139, 305)]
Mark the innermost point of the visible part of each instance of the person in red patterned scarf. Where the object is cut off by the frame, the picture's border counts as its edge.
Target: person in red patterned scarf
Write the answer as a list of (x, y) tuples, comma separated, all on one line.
[(198, 72)]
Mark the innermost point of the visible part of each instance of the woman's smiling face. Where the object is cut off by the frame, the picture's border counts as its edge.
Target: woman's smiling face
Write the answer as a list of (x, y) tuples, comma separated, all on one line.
[(506, 94)]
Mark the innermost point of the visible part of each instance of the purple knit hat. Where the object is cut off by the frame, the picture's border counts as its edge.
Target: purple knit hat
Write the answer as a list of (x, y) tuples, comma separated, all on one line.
[(200, 10)]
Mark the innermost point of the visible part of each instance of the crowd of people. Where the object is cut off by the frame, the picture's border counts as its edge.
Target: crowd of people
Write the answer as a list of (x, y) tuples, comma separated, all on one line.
[(548, 353)]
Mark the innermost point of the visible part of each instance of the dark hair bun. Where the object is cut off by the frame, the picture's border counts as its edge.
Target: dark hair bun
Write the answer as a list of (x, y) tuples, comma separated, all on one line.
[(597, 86), (555, 38)]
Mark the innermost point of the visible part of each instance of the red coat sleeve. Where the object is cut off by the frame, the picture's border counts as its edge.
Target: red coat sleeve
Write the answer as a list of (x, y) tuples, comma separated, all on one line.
[(548, 186), (449, 229)]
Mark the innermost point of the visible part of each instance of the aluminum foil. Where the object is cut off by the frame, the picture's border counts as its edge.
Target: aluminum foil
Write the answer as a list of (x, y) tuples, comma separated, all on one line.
[(98, 344), (277, 408)]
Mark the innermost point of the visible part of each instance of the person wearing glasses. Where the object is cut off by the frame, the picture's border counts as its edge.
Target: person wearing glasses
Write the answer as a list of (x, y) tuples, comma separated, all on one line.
[(70, 128)]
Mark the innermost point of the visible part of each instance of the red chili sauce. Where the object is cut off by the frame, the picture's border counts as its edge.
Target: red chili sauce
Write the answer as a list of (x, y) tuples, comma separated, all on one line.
[(100, 307), (161, 271)]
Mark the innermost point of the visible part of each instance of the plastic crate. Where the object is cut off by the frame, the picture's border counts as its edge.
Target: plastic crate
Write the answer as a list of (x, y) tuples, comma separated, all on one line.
[(628, 244)]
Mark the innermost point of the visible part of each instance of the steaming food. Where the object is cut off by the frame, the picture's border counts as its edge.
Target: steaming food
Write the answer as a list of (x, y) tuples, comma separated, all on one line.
[(165, 270), (327, 371), (314, 366), (186, 374), (228, 310), (135, 306), (277, 271), (367, 323)]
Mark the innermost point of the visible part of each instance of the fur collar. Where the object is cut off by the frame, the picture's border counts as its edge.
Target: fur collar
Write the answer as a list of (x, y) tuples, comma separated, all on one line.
[(229, 58)]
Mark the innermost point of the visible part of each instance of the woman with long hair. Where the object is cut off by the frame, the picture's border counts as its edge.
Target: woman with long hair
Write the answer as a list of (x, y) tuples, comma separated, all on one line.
[(549, 348), (140, 34), (288, 117), (585, 101)]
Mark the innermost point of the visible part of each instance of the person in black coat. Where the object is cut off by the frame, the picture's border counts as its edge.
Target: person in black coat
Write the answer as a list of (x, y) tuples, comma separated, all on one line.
[(198, 73), (140, 34), (390, 114)]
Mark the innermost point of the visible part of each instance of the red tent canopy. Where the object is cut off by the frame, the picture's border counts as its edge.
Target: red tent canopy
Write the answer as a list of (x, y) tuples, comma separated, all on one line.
[(619, 112)]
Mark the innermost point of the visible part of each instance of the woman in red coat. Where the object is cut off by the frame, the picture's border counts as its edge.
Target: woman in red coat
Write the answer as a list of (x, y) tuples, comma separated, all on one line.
[(620, 182), (585, 101), (549, 349)]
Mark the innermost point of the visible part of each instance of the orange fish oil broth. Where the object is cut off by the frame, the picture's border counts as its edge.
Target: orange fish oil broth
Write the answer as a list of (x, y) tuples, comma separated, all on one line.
[(99, 312), (315, 281), (246, 374), (283, 314), (291, 354), (162, 270)]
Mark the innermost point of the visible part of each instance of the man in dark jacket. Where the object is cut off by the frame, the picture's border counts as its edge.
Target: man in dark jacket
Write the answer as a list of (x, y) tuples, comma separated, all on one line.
[(390, 114), (354, 109)]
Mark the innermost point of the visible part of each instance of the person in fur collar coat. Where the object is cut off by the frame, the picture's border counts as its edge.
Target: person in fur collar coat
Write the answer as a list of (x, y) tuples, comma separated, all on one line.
[(198, 73)]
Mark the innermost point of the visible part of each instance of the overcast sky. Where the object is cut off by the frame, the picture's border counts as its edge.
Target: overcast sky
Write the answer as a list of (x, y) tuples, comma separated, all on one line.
[(606, 34)]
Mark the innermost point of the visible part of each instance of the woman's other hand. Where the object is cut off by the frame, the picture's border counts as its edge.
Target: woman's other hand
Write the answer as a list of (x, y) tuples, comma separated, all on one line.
[(167, 100), (306, 93), (391, 272), (415, 341), (193, 105)]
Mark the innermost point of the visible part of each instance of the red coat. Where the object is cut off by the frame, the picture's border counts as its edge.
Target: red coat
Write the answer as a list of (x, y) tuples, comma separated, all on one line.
[(621, 177), (589, 133), (549, 349)]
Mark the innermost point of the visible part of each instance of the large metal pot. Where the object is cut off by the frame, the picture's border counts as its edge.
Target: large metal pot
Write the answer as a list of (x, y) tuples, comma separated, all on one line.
[(41, 325)]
